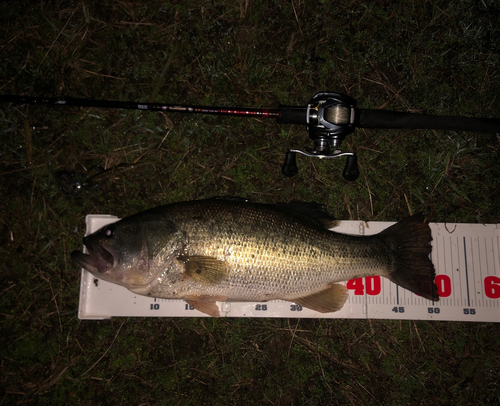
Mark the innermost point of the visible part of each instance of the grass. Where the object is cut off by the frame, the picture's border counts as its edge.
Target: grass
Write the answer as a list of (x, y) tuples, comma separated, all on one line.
[(437, 57)]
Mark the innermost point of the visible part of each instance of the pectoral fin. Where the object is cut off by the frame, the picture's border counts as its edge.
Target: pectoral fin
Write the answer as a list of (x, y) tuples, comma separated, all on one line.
[(206, 304), (204, 270), (328, 300)]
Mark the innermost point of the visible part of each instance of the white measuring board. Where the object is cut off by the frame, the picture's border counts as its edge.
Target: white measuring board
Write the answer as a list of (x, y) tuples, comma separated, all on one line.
[(466, 258)]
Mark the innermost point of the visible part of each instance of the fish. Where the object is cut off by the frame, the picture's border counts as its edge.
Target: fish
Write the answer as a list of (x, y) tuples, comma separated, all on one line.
[(230, 249)]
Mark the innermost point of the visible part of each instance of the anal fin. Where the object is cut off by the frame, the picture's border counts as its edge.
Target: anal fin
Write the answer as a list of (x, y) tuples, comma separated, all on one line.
[(328, 300), (206, 304)]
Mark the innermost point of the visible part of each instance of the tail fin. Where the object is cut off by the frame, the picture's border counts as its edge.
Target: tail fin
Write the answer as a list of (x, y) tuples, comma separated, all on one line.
[(409, 241)]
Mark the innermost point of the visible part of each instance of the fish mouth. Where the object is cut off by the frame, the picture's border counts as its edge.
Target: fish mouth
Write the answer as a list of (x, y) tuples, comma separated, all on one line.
[(98, 261)]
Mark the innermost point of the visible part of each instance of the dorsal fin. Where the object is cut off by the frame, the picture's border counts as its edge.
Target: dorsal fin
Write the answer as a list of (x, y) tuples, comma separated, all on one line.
[(312, 210)]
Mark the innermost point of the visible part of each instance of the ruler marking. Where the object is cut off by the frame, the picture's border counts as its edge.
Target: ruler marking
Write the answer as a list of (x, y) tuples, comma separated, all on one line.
[(466, 273), (451, 268), (496, 261), (477, 300), (432, 261), (452, 274), (483, 277), (496, 249), (472, 255), (477, 285), (487, 258), (458, 266), (490, 265)]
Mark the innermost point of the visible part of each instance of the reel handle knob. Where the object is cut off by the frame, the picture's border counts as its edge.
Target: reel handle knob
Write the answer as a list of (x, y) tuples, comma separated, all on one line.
[(351, 171), (289, 167)]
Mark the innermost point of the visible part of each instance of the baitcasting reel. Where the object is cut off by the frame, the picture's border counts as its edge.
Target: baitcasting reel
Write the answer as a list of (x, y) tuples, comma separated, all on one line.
[(329, 118)]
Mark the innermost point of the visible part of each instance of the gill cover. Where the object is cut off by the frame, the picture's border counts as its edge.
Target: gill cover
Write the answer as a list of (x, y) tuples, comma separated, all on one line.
[(127, 251)]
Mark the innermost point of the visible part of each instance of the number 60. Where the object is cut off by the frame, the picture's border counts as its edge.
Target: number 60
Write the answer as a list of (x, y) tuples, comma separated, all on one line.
[(492, 287)]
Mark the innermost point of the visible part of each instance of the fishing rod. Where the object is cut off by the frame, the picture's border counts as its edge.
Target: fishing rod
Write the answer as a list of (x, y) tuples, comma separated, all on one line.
[(329, 118)]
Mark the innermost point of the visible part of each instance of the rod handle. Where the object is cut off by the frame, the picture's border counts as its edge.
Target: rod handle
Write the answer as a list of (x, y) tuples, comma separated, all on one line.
[(292, 115)]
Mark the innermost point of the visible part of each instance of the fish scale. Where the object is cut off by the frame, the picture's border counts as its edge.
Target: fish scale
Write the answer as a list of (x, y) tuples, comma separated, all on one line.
[(257, 278)]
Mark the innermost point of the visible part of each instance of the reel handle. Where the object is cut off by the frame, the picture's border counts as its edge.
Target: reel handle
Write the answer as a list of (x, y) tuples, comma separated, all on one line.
[(289, 167), (351, 171)]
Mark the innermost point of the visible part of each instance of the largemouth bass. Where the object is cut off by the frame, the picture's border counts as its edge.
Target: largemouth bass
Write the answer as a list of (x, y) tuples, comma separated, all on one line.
[(231, 250)]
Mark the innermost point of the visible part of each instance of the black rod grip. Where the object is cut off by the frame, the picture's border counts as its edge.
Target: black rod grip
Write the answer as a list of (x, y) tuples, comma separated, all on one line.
[(371, 118), (292, 115)]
